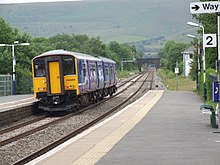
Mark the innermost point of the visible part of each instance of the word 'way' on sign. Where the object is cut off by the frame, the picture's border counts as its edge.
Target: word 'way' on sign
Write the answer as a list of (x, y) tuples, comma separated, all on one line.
[(205, 7)]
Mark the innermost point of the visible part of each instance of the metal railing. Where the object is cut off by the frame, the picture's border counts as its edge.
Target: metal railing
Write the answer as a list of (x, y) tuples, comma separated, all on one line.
[(5, 85)]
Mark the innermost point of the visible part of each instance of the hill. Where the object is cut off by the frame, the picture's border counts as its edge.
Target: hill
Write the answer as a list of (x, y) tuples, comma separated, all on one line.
[(120, 20)]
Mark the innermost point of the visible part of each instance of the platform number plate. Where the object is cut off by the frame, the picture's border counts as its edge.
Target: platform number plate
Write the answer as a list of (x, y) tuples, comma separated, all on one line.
[(177, 70), (209, 40)]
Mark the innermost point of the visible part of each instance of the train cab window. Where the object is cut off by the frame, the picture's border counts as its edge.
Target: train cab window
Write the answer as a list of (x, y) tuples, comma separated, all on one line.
[(69, 66), (39, 68)]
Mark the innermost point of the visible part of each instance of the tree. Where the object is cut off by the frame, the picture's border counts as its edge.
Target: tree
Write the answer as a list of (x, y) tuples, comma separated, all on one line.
[(172, 54), (23, 54), (7, 33), (7, 36), (93, 46), (124, 52), (209, 21), (78, 43)]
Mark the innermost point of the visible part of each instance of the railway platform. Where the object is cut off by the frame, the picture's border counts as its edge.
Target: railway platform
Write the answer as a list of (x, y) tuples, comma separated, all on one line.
[(16, 107), (7, 102), (162, 127)]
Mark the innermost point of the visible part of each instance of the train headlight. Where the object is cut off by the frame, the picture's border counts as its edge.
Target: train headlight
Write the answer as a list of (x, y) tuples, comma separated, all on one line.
[(68, 87), (42, 89), (56, 100)]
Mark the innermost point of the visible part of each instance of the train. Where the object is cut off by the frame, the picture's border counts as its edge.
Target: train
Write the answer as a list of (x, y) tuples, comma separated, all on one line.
[(65, 80)]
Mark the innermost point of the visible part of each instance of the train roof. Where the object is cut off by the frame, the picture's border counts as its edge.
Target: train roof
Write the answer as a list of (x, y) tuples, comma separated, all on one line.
[(65, 52), (85, 56), (76, 55), (104, 59)]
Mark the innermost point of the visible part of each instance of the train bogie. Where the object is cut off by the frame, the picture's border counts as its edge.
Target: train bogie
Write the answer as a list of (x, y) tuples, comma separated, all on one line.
[(64, 80)]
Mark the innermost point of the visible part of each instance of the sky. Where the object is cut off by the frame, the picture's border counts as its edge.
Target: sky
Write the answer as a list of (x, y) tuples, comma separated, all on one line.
[(30, 1)]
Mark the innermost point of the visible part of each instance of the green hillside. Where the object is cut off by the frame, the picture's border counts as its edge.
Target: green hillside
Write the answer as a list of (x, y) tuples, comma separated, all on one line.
[(120, 20)]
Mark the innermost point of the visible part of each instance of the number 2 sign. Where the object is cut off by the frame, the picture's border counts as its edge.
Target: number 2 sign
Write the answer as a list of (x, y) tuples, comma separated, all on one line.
[(209, 40)]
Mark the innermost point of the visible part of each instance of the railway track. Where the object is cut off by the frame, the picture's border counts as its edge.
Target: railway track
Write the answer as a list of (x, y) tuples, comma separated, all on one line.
[(147, 78), (34, 130), (42, 117)]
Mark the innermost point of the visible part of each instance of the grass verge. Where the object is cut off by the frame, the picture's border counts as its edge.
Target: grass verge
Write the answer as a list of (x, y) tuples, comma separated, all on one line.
[(172, 83)]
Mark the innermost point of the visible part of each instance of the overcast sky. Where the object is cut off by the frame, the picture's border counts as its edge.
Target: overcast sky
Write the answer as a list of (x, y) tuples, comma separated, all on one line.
[(28, 1)]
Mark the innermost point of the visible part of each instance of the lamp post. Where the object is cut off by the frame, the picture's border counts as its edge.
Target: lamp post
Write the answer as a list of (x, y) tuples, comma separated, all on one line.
[(203, 57), (16, 43), (198, 61)]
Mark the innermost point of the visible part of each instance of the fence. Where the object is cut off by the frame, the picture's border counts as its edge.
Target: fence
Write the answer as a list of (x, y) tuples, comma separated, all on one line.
[(5, 85)]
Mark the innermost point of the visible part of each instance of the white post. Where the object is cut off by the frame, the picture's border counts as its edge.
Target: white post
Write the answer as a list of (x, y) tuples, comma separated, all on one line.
[(16, 43), (198, 64), (122, 66), (204, 67), (219, 70), (13, 69)]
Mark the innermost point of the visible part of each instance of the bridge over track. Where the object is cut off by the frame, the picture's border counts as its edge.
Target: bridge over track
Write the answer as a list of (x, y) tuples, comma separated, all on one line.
[(148, 61)]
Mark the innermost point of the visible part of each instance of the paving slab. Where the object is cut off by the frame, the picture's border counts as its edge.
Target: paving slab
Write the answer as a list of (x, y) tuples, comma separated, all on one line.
[(173, 132)]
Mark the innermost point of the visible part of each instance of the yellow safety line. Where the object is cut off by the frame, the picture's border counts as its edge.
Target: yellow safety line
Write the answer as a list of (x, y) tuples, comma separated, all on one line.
[(102, 148)]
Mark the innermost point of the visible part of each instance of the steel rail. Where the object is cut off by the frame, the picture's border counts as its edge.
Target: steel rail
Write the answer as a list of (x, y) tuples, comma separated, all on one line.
[(76, 132), (14, 127), (32, 131)]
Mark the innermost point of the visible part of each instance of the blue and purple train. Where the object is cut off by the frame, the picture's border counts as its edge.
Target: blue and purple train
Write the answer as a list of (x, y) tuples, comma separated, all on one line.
[(65, 80)]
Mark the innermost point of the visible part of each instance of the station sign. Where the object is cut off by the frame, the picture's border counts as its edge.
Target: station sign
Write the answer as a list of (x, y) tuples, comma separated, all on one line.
[(215, 91), (210, 40), (205, 7)]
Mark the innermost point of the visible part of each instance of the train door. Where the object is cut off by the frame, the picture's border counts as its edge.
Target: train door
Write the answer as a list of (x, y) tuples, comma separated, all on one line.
[(82, 72), (92, 76), (106, 75), (100, 75), (85, 76), (80, 75), (54, 78), (111, 74), (115, 74), (54, 72)]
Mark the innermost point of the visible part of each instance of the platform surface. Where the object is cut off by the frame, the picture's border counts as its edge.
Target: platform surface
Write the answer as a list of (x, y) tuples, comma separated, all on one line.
[(13, 101), (173, 132), (168, 132)]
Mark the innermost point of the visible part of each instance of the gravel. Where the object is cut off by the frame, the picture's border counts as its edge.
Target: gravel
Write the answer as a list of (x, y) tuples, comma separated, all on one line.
[(22, 148)]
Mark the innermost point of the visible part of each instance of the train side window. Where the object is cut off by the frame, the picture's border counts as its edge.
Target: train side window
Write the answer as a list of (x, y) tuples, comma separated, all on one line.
[(92, 70), (100, 70), (106, 72), (69, 66), (80, 71), (84, 72), (111, 70), (39, 68)]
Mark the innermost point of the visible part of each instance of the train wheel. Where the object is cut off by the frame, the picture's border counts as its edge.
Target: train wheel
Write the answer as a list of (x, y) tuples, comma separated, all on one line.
[(83, 100), (101, 96), (110, 92), (94, 97)]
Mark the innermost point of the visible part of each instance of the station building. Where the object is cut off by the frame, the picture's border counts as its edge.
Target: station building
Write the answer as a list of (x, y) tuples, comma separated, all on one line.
[(187, 60)]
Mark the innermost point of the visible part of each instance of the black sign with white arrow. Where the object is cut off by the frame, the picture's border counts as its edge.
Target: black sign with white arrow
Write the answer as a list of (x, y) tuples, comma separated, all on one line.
[(205, 7)]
